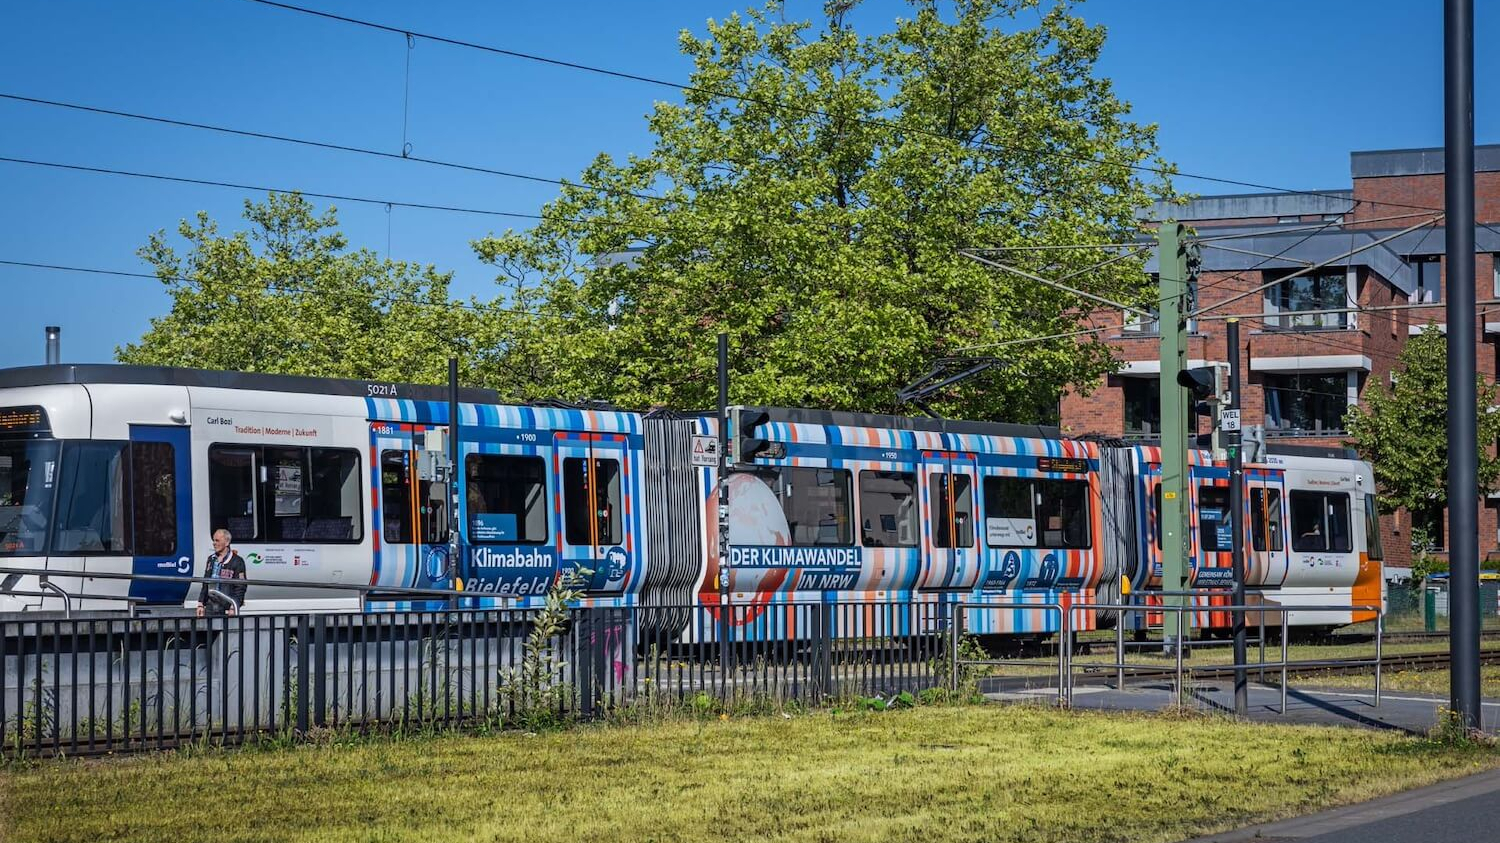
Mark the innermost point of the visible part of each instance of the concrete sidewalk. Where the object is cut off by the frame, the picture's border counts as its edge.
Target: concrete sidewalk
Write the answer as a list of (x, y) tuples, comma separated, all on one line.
[(1461, 811), (1407, 712)]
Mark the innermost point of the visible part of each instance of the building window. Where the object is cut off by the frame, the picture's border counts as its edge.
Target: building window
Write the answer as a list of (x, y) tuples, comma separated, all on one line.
[(1428, 522), (1142, 407), (1306, 404), (1288, 219), (1495, 270), (1428, 274), (1322, 290)]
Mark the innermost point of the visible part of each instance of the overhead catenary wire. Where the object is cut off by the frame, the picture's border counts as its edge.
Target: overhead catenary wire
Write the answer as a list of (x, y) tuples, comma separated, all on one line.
[(1159, 171), (265, 189), (339, 147), (283, 288)]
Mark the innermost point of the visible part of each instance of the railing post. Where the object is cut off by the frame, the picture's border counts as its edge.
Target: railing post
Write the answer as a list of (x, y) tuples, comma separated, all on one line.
[(304, 633), (1120, 649), (1284, 614), (1180, 646), (955, 632), (1065, 658), (319, 671), (1379, 636)]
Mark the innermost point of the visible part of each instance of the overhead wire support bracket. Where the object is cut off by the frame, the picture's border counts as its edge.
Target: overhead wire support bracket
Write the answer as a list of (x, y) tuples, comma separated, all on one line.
[(1064, 287)]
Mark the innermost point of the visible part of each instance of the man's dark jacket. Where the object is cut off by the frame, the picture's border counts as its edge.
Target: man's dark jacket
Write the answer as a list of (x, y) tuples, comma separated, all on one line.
[(233, 572)]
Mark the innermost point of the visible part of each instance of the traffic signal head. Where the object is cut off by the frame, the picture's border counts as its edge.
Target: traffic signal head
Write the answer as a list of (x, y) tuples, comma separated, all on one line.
[(1200, 381), (745, 441)]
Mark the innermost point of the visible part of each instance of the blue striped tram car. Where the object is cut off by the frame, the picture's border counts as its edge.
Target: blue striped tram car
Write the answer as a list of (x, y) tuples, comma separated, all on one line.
[(1312, 534), (125, 469), (882, 510)]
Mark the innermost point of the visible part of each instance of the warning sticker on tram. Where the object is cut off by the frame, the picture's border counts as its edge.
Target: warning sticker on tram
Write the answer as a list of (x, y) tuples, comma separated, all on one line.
[(706, 451)]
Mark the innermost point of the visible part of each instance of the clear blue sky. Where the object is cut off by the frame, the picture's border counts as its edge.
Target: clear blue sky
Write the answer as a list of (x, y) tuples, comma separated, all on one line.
[(1273, 91)]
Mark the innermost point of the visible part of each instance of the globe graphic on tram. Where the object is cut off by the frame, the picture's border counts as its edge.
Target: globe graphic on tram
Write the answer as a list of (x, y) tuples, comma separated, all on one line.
[(755, 518)]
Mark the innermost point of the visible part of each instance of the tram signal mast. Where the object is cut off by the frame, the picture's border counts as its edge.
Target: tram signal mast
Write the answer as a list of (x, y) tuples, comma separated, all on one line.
[(1176, 262)]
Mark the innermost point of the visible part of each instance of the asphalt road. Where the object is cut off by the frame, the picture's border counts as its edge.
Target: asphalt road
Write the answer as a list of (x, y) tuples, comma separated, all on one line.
[(1462, 811)]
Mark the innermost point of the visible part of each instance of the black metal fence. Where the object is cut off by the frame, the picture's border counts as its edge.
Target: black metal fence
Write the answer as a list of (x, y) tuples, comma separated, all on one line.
[(111, 684)]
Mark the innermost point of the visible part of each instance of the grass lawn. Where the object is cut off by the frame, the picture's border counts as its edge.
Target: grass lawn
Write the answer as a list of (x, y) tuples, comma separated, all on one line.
[(980, 773), (1411, 681)]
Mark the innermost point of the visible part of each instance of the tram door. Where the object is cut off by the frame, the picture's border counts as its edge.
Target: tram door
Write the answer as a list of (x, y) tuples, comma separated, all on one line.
[(411, 502), (593, 487), (948, 530), (1266, 552), (161, 489)]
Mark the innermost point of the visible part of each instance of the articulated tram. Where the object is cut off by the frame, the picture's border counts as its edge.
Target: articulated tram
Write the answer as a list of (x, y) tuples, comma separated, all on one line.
[(128, 470)]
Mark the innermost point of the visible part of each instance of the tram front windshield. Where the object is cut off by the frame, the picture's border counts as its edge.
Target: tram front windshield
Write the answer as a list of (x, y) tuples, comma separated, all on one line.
[(28, 479)]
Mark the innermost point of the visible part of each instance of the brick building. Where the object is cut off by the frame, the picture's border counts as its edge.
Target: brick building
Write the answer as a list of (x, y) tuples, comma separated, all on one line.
[(1304, 370)]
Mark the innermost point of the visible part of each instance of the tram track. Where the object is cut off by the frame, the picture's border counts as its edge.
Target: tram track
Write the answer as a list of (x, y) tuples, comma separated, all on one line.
[(1434, 660)]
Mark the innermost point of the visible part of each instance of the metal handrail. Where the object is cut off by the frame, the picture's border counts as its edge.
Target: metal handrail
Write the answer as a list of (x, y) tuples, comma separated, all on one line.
[(1285, 664), (233, 604), (45, 585), (1064, 649), (361, 589)]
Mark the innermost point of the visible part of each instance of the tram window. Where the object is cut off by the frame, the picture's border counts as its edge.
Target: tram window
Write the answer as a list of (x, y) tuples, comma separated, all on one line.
[(1009, 512), (1215, 534), (28, 477), (1340, 537), (332, 496), (395, 497), (1373, 545), (1063, 512), (153, 497), (285, 487), (396, 503), (1265, 520), (1156, 513), (286, 494), (507, 499), (232, 481), (92, 508), (591, 501), (1320, 522), (952, 497), (814, 501), (888, 508)]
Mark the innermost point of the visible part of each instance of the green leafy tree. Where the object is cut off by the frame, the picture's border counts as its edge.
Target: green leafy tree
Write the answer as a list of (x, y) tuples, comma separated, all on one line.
[(288, 296), (1403, 430), (811, 195)]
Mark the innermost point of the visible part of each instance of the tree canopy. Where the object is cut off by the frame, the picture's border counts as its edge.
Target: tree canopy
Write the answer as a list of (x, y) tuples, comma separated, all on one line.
[(810, 196), (1403, 430), (289, 296)]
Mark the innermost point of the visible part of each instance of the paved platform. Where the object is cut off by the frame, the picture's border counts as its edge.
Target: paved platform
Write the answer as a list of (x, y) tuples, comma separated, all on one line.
[(1407, 712), (1462, 811)]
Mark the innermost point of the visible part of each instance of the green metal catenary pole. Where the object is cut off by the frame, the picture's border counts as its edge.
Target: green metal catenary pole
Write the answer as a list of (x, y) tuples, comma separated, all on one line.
[(1172, 267)]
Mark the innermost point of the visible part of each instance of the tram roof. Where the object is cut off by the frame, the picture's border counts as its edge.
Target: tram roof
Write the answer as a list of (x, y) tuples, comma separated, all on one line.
[(111, 373), (794, 415)]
